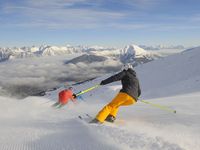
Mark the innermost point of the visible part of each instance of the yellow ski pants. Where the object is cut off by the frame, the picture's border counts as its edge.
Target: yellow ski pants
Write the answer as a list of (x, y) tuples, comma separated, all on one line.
[(122, 99)]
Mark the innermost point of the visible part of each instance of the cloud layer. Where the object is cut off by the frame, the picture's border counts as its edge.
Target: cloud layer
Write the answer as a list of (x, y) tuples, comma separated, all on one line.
[(29, 76)]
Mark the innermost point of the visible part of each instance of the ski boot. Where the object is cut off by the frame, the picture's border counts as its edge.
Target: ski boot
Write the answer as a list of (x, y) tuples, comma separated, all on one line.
[(95, 121), (110, 118)]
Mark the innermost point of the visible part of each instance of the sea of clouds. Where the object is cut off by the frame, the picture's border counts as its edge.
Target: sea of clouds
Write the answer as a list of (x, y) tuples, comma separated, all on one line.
[(29, 76)]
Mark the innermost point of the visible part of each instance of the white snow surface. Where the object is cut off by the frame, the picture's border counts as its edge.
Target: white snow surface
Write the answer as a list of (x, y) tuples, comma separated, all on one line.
[(32, 124)]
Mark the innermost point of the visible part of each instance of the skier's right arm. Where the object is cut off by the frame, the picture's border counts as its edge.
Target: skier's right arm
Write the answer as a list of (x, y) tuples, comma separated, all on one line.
[(113, 78)]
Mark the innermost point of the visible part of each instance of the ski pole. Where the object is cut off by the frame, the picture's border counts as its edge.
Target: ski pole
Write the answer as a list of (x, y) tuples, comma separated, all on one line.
[(159, 106), (87, 90)]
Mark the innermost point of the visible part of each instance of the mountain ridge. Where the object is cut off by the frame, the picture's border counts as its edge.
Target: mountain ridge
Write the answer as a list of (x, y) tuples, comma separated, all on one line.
[(47, 50)]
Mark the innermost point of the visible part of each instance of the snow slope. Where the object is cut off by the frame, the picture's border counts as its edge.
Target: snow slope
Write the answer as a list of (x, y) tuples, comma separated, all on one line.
[(32, 124), (176, 74)]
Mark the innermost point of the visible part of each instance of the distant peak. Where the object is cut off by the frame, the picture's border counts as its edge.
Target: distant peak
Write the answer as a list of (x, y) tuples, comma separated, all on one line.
[(133, 49)]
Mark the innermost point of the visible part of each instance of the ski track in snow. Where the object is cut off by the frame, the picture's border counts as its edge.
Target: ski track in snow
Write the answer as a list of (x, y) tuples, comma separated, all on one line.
[(32, 124), (133, 140), (119, 134), (67, 135), (44, 132), (45, 128)]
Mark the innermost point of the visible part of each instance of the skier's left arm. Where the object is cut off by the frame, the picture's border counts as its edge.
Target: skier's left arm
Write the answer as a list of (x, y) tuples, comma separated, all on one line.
[(113, 78)]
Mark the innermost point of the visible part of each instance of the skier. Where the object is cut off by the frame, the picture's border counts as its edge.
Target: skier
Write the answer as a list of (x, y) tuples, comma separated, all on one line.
[(64, 96), (128, 94)]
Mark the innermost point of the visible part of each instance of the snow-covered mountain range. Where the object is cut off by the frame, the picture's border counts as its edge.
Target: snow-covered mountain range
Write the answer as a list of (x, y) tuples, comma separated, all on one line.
[(44, 50), (131, 53)]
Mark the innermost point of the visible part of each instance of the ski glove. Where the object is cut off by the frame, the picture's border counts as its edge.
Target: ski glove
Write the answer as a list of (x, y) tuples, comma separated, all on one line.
[(74, 95), (102, 83)]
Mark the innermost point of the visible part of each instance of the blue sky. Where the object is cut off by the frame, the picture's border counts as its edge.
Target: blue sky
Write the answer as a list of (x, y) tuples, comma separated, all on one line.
[(99, 22)]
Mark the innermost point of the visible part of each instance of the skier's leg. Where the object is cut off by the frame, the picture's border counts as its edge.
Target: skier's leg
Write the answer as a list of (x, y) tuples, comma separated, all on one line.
[(55, 104), (127, 100), (60, 105), (114, 111), (111, 107), (101, 116)]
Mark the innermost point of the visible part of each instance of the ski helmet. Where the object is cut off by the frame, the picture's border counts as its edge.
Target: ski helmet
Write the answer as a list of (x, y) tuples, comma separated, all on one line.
[(70, 88), (127, 66)]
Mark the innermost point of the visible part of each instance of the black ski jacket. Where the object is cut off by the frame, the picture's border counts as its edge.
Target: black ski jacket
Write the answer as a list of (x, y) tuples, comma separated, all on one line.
[(130, 83)]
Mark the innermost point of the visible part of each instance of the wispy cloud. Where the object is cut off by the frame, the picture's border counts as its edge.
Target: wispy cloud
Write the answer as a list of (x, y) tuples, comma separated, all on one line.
[(62, 14), (195, 18), (144, 4), (133, 26), (69, 14), (58, 14)]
